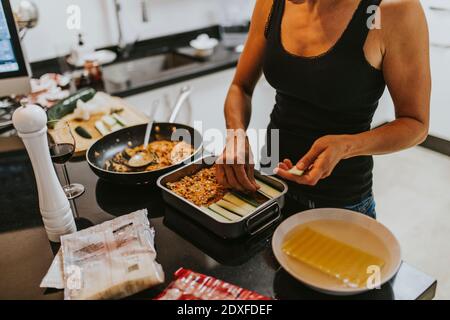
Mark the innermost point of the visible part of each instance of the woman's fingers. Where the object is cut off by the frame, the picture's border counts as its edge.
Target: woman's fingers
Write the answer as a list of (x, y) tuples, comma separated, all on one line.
[(232, 181), (309, 158), (250, 169), (285, 165), (237, 177), (231, 178), (284, 173), (242, 178), (311, 177), (288, 163), (221, 176)]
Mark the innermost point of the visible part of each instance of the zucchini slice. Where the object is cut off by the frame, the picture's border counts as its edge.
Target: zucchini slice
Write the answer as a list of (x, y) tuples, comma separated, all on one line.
[(224, 213), (296, 172), (239, 202), (215, 215), (100, 126), (268, 190), (120, 120), (240, 211), (255, 199), (109, 121)]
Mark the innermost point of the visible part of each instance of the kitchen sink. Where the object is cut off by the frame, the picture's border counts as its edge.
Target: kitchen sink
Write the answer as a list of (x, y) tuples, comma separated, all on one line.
[(167, 61), (135, 73)]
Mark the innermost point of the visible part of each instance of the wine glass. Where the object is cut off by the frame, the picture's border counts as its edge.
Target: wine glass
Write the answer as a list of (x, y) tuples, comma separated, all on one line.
[(62, 147)]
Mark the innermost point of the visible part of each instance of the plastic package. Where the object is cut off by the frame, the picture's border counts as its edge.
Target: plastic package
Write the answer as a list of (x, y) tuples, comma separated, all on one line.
[(55, 275), (112, 260), (189, 285)]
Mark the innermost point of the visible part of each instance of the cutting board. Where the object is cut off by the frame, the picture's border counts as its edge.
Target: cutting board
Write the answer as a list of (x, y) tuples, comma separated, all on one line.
[(131, 115)]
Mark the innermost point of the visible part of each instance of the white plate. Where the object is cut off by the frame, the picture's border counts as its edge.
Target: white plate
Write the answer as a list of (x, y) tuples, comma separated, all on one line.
[(101, 56), (349, 227)]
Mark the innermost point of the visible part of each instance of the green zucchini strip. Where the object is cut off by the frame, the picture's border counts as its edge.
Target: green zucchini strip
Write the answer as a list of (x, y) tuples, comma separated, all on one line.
[(243, 212), (224, 213), (215, 215), (239, 202), (268, 190)]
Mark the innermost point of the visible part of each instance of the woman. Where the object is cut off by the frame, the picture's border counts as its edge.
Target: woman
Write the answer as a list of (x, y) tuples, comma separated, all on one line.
[(330, 61)]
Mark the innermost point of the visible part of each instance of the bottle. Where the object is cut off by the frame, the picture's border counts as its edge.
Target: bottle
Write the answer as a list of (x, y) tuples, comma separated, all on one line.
[(94, 73)]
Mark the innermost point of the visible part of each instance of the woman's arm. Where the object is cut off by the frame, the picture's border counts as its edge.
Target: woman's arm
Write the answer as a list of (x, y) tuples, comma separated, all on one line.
[(406, 69), (235, 166)]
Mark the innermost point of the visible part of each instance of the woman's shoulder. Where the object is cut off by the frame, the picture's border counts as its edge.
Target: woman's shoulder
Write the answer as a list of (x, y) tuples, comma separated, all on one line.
[(400, 12), (261, 16), (401, 20), (263, 9)]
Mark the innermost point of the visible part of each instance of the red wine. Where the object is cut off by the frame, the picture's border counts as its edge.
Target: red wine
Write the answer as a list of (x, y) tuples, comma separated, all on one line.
[(61, 153)]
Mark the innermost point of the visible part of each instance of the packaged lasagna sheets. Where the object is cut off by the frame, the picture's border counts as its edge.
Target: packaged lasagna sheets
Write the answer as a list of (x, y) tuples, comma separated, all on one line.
[(189, 285), (112, 260)]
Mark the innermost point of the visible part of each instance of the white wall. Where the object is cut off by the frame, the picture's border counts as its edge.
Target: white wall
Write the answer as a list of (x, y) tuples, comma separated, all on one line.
[(439, 26), (98, 23)]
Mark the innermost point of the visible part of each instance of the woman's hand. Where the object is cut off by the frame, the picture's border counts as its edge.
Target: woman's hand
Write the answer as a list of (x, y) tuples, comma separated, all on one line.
[(235, 167), (319, 162)]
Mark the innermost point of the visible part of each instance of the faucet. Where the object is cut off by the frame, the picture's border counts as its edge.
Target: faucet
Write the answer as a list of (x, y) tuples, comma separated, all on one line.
[(121, 41), (185, 92), (125, 48), (144, 8)]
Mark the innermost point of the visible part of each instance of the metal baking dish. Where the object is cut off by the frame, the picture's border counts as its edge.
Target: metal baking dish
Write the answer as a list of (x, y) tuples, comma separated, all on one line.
[(229, 252), (263, 217)]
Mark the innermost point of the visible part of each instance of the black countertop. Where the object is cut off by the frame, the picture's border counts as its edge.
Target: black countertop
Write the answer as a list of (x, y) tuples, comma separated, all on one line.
[(247, 262)]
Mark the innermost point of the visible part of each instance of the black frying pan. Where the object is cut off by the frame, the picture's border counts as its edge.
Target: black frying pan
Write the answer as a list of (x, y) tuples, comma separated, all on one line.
[(113, 143)]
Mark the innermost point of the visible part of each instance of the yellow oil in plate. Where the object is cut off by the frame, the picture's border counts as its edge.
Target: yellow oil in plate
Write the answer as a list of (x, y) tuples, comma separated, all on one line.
[(349, 265)]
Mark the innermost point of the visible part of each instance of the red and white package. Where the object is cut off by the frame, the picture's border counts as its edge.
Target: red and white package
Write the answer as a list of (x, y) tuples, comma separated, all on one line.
[(189, 285)]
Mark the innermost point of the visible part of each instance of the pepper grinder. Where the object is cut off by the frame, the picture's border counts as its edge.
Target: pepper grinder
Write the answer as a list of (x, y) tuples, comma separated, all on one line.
[(30, 122)]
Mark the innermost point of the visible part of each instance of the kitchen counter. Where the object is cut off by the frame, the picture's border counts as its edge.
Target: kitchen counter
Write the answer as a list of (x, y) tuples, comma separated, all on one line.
[(131, 74), (247, 262)]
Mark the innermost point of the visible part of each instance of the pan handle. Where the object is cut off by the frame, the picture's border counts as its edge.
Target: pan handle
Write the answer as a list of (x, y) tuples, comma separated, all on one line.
[(270, 211), (184, 95)]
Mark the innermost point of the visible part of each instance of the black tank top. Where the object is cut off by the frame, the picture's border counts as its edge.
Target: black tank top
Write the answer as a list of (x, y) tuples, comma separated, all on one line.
[(336, 92)]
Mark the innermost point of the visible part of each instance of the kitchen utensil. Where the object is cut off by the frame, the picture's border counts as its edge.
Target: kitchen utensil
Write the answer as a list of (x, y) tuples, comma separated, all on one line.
[(143, 158), (349, 227), (108, 146), (262, 218)]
